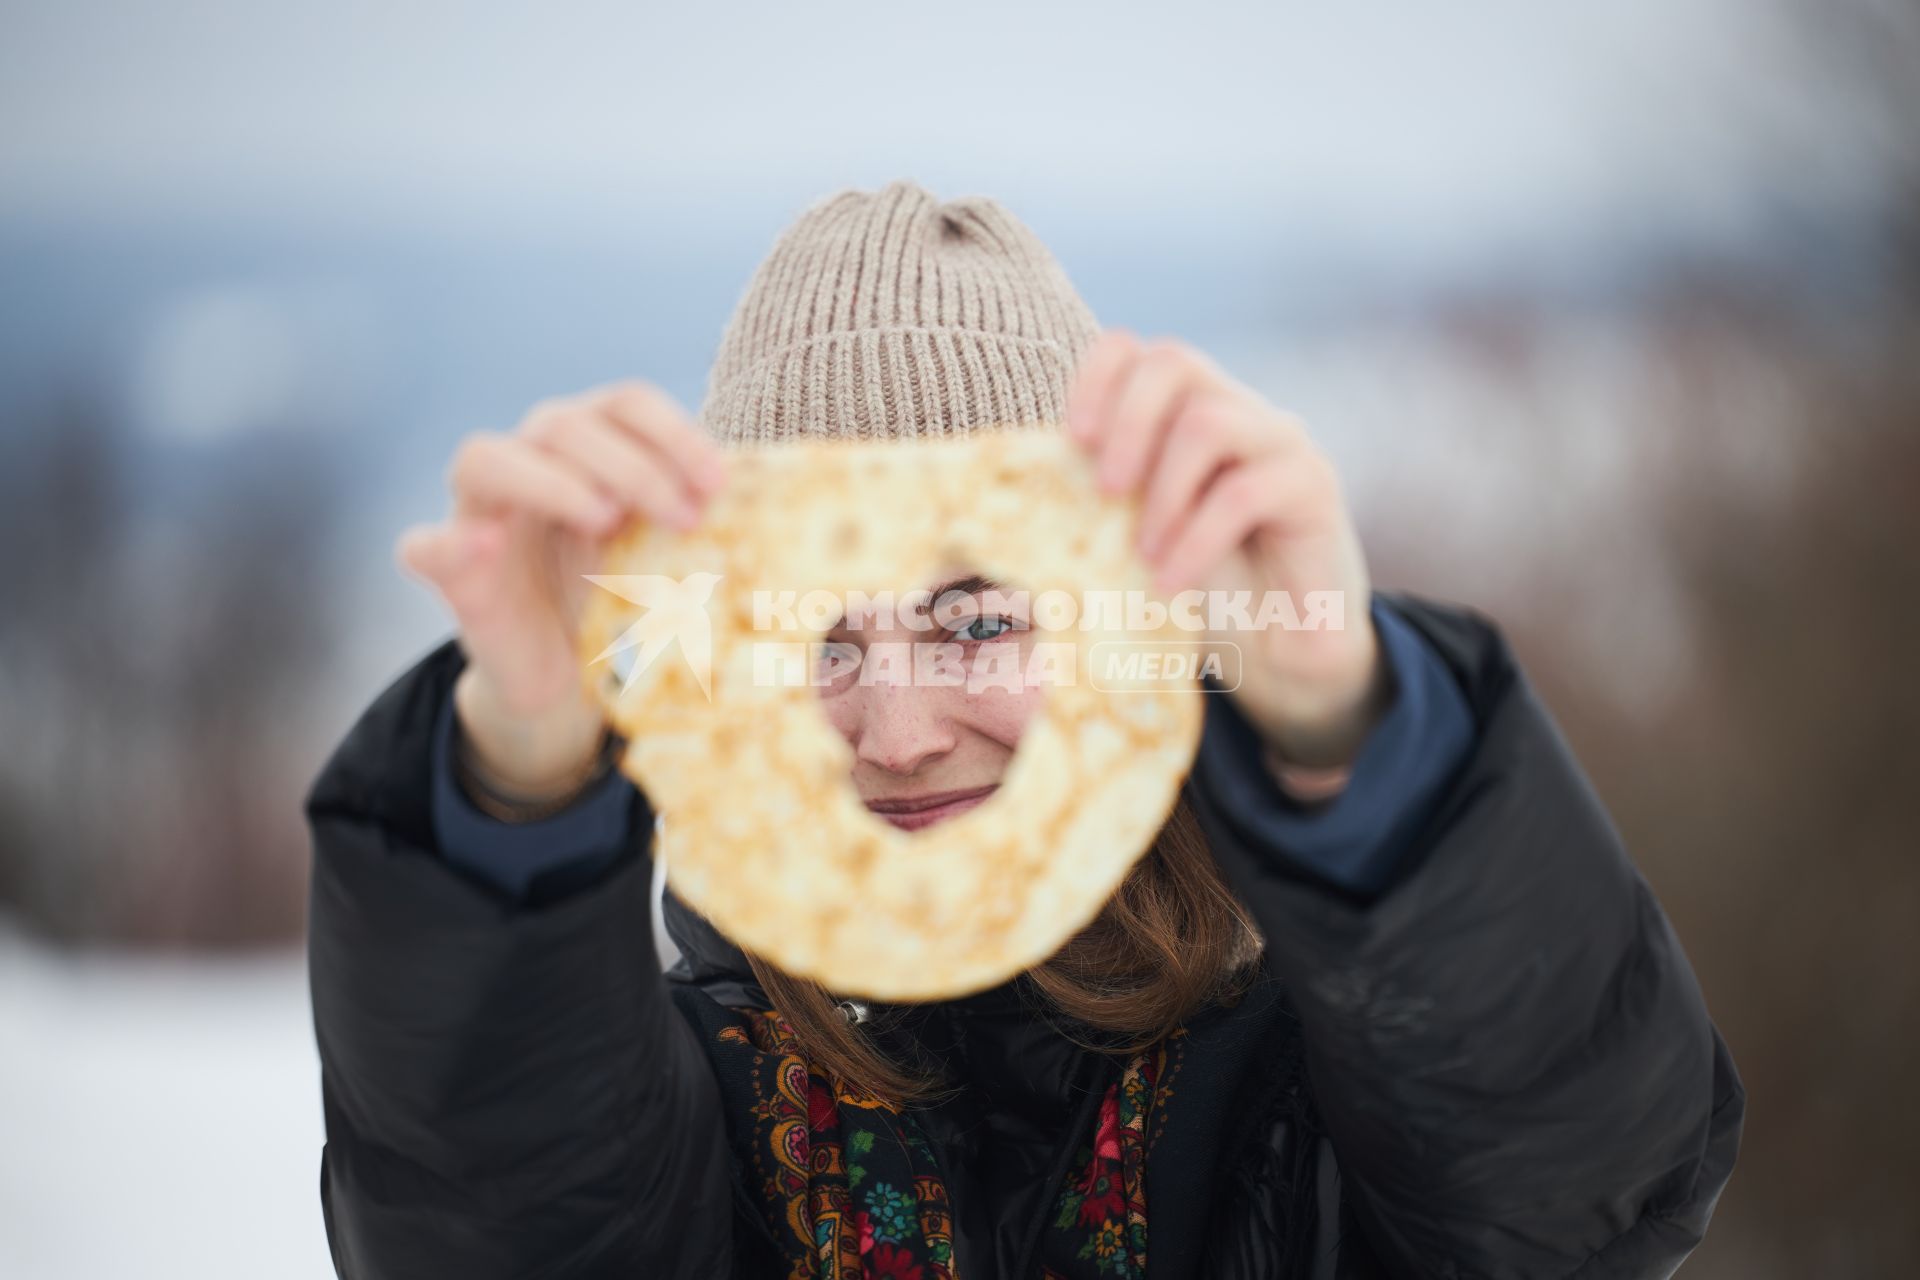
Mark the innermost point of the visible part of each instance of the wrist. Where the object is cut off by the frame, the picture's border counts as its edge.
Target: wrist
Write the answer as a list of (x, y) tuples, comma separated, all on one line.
[(1306, 784), (1313, 734), (506, 805), (529, 758)]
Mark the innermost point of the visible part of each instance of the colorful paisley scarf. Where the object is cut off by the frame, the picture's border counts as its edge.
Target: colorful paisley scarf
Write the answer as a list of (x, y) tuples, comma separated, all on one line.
[(852, 1190)]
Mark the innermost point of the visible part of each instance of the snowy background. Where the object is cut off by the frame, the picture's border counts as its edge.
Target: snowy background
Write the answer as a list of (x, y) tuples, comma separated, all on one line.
[(1607, 312)]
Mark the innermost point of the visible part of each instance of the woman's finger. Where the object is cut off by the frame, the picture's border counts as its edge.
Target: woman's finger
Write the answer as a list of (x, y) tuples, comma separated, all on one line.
[(457, 558), (1101, 369), (491, 471), (1274, 489), (426, 551), (528, 650), (1209, 433), (1138, 416), (619, 459), (657, 418), (1152, 392)]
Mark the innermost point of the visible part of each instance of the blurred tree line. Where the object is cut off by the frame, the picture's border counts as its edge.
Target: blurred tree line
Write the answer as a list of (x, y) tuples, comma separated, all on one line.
[(164, 629), (1772, 796)]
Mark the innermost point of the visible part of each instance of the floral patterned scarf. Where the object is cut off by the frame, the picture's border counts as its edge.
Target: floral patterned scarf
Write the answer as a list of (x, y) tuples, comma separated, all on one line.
[(852, 1190)]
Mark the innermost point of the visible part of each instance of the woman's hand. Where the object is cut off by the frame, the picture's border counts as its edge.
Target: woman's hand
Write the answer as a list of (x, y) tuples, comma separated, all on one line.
[(1236, 498), (531, 511)]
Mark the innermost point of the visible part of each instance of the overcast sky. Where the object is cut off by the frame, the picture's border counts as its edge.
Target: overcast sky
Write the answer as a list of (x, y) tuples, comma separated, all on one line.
[(1426, 130)]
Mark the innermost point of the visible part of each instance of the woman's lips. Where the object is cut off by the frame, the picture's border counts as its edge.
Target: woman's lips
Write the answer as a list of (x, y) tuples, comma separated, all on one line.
[(910, 813)]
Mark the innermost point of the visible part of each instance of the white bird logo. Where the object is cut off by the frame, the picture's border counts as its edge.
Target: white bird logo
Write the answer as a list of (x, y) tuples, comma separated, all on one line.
[(675, 610)]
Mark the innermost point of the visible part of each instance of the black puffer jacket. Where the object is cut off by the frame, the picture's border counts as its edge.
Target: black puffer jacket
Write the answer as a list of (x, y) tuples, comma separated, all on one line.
[(1500, 1067)]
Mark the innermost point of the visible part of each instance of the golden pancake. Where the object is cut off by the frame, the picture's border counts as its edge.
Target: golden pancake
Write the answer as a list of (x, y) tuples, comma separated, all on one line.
[(762, 830)]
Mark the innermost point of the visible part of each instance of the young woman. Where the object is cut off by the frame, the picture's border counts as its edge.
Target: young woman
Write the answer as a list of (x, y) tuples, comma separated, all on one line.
[(1386, 997)]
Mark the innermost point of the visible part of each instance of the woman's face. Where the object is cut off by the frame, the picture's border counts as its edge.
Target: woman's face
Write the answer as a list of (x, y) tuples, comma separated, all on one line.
[(932, 697)]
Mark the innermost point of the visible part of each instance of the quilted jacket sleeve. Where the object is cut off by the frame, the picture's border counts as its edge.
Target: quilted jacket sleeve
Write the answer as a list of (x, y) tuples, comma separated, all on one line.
[(509, 1090), (1507, 1045)]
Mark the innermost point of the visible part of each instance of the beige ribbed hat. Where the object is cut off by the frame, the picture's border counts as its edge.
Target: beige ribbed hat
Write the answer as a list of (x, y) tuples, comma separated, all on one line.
[(886, 314)]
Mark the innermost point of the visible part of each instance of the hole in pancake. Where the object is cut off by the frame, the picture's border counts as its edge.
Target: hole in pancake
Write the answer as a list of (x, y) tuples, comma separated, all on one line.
[(774, 844), (933, 688)]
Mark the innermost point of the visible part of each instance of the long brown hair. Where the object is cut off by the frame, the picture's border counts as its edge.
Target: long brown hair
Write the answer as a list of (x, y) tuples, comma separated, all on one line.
[(1172, 939)]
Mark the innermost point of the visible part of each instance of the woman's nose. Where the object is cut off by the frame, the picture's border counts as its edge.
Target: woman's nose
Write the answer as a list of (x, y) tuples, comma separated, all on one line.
[(898, 728)]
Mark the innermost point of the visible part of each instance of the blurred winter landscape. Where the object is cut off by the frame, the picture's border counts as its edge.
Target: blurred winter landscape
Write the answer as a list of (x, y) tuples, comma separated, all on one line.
[(161, 1117), (1610, 316)]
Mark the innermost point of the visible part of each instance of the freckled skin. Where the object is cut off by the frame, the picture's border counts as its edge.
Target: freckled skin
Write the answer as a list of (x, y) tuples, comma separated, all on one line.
[(919, 739)]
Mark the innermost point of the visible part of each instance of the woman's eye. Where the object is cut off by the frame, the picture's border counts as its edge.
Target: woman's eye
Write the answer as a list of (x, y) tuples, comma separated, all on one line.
[(833, 659), (985, 628)]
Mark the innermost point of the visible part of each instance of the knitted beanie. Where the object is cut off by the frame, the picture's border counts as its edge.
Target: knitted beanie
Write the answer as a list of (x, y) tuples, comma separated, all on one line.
[(888, 314)]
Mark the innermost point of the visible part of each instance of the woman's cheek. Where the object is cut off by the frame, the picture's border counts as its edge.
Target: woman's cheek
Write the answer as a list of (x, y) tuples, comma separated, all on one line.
[(842, 715), (1002, 713)]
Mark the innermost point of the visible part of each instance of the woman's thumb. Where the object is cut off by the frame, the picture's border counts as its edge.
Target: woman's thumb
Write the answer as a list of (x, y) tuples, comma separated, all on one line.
[(454, 558)]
